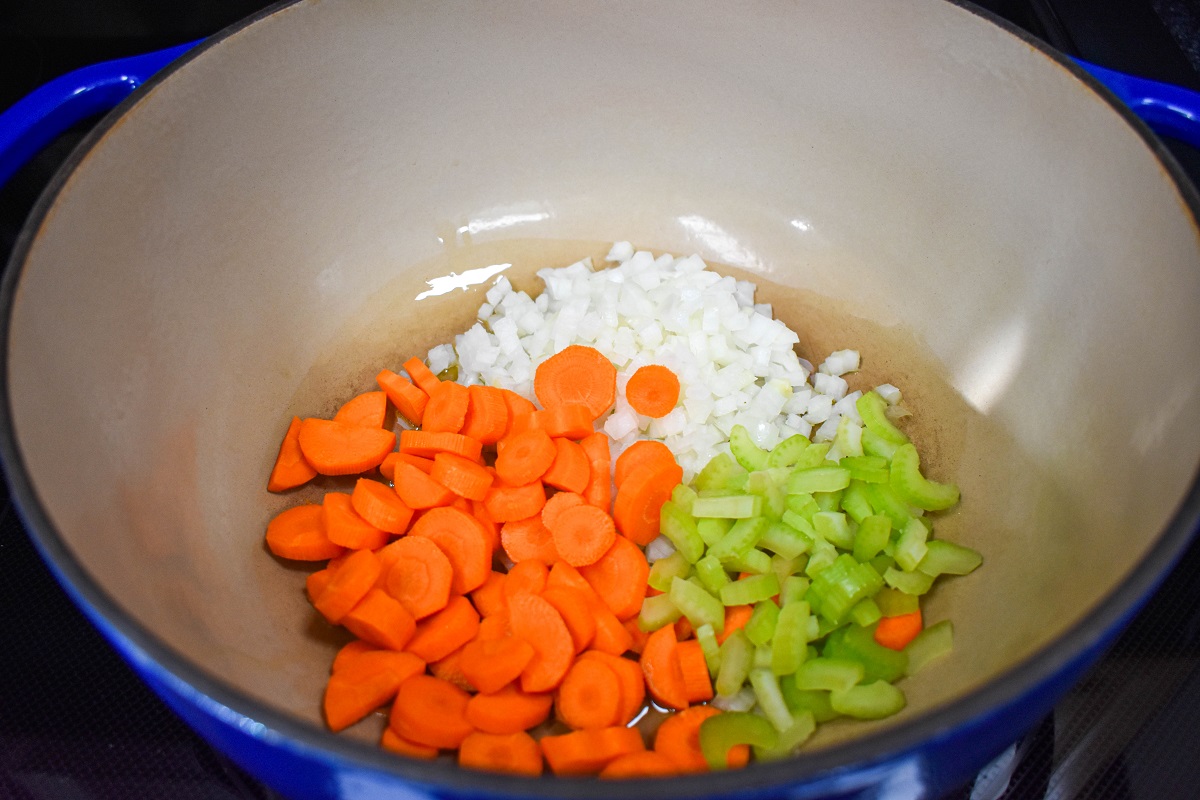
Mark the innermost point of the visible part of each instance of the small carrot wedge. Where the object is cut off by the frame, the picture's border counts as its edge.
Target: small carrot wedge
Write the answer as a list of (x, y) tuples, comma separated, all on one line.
[(446, 410), (387, 467), (491, 664), (509, 710), (395, 743), (660, 665), (420, 576), (298, 533), (431, 711), (510, 503), (464, 541), (493, 627), (450, 669), (588, 752), (409, 400), (348, 700), (570, 471), (619, 578), (350, 651), (641, 452), (525, 457), (696, 680), (440, 634), (896, 632), (349, 584), (736, 618), (573, 606), (513, 753), (678, 738), (379, 505), (381, 620), (583, 534), (537, 622), (633, 683), (557, 503), (489, 598), (368, 409), (430, 443), (526, 577), (421, 375), (520, 411), (290, 469), (610, 636), (653, 390), (487, 414), (418, 490), (636, 633), (461, 476), (340, 448), (316, 582), (569, 420), (528, 539), (370, 660), (576, 374), (344, 526), (589, 696), (599, 488), (638, 504), (645, 764)]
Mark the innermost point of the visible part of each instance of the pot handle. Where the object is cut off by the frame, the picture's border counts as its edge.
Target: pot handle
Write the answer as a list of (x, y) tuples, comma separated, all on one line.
[(1168, 110), (36, 119)]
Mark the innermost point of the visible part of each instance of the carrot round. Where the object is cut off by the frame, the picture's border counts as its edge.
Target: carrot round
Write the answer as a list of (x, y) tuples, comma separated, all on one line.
[(290, 469), (574, 607), (489, 598), (492, 664), (644, 764), (443, 632), (653, 390), (349, 652), (896, 632), (449, 668), (638, 636), (619, 577), (520, 411), (340, 448), (589, 696), (490, 527), (569, 420), (387, 467), (528, 539), (576, 374), (344, 526), (420, 576), (610, 635), (641, 452), (421, 375), (588, 752), (379, 505), (557, 503), (632, 682), (515, 753), (525, 457), (526, 577), (368, 409), (570, 470), (660, 665), (395, 743), (446, 410), (583, 534), (430, 443), (537, 622), (639, 501), (461, 476), (487, 414), (431, 711), (678, 738), (381, 620), (367, 659), (409, 400), (599, 488), (349, 699), (696, 679), (511, 503), (298, 533), (509, 710), (349, 584), (417, 489), (464, 541)]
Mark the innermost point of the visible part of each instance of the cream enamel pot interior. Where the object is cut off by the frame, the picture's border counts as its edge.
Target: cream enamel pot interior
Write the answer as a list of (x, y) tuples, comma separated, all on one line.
[(244, 238)]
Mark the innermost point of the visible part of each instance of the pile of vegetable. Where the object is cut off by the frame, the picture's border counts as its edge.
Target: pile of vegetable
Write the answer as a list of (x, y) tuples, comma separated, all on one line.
[(520, 597)]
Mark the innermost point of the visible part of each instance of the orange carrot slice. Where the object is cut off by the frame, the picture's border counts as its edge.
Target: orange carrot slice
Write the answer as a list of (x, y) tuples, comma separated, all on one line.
[(395, 743), (619, 578), (368, 409), (678, 738), (588, 752), (641, 452), (696, 680), (633, 683), (660, 665), (464, 541), (418, 490), (379, 505), (349, 584), (298, 533), (430, 443), (489, 598), (736, 618), (599, 488), (576, 374), (431, 711), (574, 607), (291, 469), (349, 699), (381, 620), (520, 411), (420, 576), (589, 696), (344, 526), (527, 577), (638, 504), (440, 634), (537, 622), (528, 539), (461, 476), (510, 503), (340, 448), (446, 410), (515, 753), (653, 390), (524, 457), (896, 632), (569, 420), (570, 471), (487, 414), (421, 375), (644, 764), (509, 710), (582, 534), (557, 503), (409, 400), (491, 664)]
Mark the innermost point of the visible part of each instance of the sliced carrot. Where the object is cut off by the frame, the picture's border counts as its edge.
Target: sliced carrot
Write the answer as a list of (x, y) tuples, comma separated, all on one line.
[(528, 539), (576, 374), (290, 469), (589, 696), (653, 390), (430, 443), (660, 665), (462, 476), (493, 627), (639, 501), (683, 628), (421, 375), (431, 711), (520, 411), (619, 578), (573, 606), (440, 634), (583, 534), (696, 680), (368, 660), (736, 618), (510, 503), (678, 738), (350, 583), (316, 582), (368, 409), (464, 541), (588, 752), (344, 526), (418, 490), (349, 699), (633, 683), (409, 400), (643, 451), (350, 651), (644, 764), (379, 505), (340, 448), (896, 632), (489, 598), (381, 620), (525, 457), (610, 636), (420, 577), (298, 533), (491, 664), (450, 669), (537, 622), (636, 633), (557, 503), (490, 527), (569, 420), (599, 488), (509, 710), (526, 577), (515, 753), (446, 410), (395, 743), (570, 471), (487, 414)]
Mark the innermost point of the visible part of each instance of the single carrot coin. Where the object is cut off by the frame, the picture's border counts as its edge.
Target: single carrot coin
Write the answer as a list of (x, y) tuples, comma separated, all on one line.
[(653, 390), (487, 414), (510, 503), (736, 618), (379, 505), (431, 711), (619, 577), (464, 541), (509, 710), (570, 471), (491, 664), (514, 753), (660, 665), (537, 622), (349, 584), (420, 576), (430, 443), (589, 696), (368, 409), (639, 501), (409, 400), (419, 490), (525, 457), (440, 634), (641, 452), (576, 374), (344, 525), (340, 448), (582, 534), (644, 764), (696, 680), (446, 410), (348, 700), (489, 598), (298, 533), (462, 476), (678, 738), (587, 752), (599, 488), (633, 683), (527, 539), (896, 632), (557, 503), (381, 620), (421, 375), (395, 743), (291, 469), (569, 420)]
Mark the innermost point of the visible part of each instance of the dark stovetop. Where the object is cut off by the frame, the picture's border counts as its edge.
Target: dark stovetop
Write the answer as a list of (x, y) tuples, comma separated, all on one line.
[(76, 724)]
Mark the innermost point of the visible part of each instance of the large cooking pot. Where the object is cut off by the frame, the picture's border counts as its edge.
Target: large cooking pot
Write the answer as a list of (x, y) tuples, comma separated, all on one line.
[(243, 240)]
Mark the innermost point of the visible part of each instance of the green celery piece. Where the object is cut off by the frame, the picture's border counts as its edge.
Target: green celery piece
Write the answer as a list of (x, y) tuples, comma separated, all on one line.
[(761, 625), (786, 453), (833, 527), (770, 698), (813, 633), (683, 496), (657, 612), (804, 724), (680, 527), (722, 732), (865, 613), (802, 504), (875, 445), (730, 506), (915, 488), (848, 438), (838, 587), (868, 701), (742, 537), (855, 502), (748, 454), (762, 656), (813, 701), (711, 648), (820, 557), (894, 603), (914, 583), (754, 561), (720, 473), (664, 570), (828, 674), (818, 479), (930, 644), (789, 647), (711, 530), (873, 410), (737, 654), (948, 558), (882, 562), (868, 469), (784, 540), (910, 545), (711, 573), (800, 522), (695, 603), (871, 537), (794, 589), (858, 644), (813, 456), (885, 501), (829, 501), (784, 568), (764, 485), (750, 590)]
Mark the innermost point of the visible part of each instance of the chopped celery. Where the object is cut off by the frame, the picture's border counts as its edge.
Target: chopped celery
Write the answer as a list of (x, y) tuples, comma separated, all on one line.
[(784, 568), (893, 602), (721, 473), (789, 647), (803, 504), (788, 451), (814, 631), (865, 613), (711, 648), (857, 643), (657, 612), (695, 603), (873, 410), (947, 558), (711, 530), (762, 656), (828, 501), (730, 506), (868, 469), (764, 485), (910, 545), (750, 590), (744, 534), (711, 573), (823, 554), (664, 570), (813, 701), (882, 562), (868, 701), (721, 732), (818, 479), (801, 522), (754, 561), (760, 628), (885, 501), (813, 456), (828, 674), (770, 698), (871, 537), (930, 644), (848, 438), (804, 724), (833, 527), (914, 582), (875, 445), (838, 587), (783, 539), (683, 496), (794, 589), (855, 502), (679, 526), (915, 488), (737, 653), (748, 454)]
